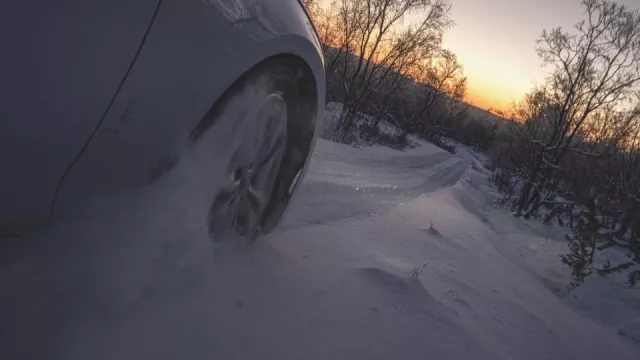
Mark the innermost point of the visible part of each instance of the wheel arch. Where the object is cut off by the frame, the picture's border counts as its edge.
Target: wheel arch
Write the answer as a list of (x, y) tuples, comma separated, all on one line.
[(301, 130), (305, 78)]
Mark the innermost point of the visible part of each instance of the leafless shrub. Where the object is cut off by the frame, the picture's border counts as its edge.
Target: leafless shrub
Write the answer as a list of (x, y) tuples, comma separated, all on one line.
[(576, 148)]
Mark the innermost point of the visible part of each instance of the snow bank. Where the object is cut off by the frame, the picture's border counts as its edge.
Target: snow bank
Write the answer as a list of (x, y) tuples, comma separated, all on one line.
[(332, 115), (608, 301), (474, 290), (385, 254), (631, 330)]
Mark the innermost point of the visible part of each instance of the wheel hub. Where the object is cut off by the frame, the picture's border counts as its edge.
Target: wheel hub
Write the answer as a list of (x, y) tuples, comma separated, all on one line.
[(239, 206)]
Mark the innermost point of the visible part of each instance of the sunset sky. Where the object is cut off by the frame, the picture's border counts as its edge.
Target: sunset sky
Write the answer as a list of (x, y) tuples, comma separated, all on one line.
[(495, 41)]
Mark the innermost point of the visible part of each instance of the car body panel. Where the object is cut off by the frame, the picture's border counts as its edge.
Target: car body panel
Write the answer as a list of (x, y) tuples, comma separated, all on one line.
[(195, 50), (62, 63)]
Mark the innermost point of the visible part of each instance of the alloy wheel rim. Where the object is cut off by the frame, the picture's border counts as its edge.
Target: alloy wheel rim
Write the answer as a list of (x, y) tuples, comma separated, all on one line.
[(239, 206)]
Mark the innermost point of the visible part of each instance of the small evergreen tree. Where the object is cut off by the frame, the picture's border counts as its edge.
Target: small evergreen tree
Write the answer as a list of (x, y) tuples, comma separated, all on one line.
[(579, 254), (593, 233)]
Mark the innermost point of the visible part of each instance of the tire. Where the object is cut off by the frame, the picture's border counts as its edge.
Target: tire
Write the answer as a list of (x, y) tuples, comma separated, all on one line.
[(267, 124)]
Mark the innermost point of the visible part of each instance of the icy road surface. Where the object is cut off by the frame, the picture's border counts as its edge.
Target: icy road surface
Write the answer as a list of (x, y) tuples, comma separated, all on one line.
[(354, 272)]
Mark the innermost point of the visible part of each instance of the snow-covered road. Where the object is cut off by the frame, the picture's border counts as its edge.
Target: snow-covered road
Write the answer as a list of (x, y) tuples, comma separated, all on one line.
[(345, 182), (354, 272)]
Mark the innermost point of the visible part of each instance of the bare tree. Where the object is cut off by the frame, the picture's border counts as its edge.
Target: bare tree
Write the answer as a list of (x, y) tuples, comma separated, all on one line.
[(577, 145), (382, 45), (595, 71), (445, 89), (379, 66)]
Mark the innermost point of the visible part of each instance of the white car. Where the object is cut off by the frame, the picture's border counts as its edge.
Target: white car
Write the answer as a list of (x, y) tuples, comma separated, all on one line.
[(101, 97)]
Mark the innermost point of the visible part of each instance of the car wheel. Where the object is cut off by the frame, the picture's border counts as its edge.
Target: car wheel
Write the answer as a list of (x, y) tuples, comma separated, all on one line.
[(259, 119)]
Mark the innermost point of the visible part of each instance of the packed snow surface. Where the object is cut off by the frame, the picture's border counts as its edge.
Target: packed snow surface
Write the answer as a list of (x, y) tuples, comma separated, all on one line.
[(384, 254)]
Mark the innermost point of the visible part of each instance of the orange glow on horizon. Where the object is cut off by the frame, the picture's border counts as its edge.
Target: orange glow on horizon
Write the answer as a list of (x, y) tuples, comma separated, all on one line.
[(488, 98), (495, 41)]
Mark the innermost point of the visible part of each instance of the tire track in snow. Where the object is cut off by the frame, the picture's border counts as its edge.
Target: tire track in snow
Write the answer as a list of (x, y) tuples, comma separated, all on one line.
[(332, 194)]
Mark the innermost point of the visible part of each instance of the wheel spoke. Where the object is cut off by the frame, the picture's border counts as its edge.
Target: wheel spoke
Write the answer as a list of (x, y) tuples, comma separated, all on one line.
[(224, 197), (275, 147), (257, 199), (252, 169), (223, 212)]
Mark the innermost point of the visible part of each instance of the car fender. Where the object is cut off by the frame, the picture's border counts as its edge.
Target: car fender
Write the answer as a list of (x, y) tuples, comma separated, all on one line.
[(193, 53)]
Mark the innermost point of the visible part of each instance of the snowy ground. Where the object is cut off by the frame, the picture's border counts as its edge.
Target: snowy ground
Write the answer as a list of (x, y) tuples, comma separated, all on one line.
[(354, 272)]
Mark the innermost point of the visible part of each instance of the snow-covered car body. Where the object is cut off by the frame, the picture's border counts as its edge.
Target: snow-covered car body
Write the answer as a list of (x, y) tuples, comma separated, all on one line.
[(102, 96)]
